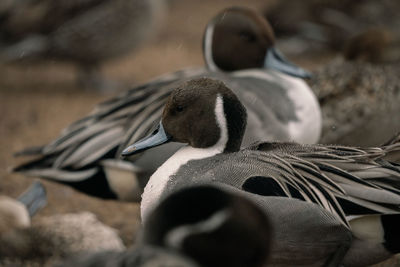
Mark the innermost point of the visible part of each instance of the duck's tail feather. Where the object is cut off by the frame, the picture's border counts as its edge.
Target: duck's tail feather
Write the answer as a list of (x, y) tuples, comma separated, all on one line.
[(110, 179), (393, 141), (90, 180), (42, 162), (30, 151), (393, 148)]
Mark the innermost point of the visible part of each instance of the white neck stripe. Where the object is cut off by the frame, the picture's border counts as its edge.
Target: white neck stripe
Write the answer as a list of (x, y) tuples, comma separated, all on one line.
[(208, 48), (159, 180), (222, 124), (175, 237)]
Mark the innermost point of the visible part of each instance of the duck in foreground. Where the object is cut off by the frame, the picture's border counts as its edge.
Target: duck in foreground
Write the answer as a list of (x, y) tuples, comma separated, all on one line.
[(143, 256), (320, 199), (196, 226), (211, 225), (239, 50)]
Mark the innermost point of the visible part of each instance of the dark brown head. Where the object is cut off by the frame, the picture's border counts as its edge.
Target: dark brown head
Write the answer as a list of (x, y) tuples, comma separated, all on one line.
[(240, 38), (372, 46), (201, 112), (237, 38), (212, 226), (204, 112)]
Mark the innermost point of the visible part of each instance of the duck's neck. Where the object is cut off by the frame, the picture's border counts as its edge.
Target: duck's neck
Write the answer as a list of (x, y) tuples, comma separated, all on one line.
[(158, 181), (207, 49)]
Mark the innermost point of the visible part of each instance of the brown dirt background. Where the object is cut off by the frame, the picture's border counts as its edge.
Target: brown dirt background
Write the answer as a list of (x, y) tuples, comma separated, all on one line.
[(38, 100)]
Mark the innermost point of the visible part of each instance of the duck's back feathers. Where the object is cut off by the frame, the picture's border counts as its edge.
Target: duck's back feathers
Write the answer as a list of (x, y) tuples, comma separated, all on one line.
[(343, 180), (79, 152), (357, 98)]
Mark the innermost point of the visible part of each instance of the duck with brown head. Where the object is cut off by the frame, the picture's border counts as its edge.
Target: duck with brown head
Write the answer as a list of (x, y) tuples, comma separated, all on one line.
[(239, 38), (320, 198), (280, 106)]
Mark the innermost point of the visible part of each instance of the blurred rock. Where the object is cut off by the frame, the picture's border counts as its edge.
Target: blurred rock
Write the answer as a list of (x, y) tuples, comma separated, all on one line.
[(54, 237)]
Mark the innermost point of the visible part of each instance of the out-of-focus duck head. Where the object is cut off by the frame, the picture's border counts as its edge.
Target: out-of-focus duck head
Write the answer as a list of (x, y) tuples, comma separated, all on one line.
[(240, 38)]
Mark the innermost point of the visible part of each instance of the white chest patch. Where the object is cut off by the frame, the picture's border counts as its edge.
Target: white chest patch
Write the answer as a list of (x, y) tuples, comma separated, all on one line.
[(158, 181), (308, 127)]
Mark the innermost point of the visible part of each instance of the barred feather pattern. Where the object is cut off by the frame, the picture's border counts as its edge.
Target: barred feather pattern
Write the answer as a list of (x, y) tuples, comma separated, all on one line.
[(327, 175), (102, 134)]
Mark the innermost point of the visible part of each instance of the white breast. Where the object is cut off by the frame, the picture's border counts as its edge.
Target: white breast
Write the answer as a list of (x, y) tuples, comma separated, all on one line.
[(307, 129), (158, 181)]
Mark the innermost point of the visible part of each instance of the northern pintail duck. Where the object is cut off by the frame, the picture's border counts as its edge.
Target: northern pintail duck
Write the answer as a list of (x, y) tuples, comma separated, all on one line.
[(196, 226), (358, 100), (327, 204), (375, 45), (48, 239), (239, 49), (87, 32), (211, 225)]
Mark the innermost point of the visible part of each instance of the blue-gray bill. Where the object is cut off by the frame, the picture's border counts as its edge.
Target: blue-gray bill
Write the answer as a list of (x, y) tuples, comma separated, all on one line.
[(275, 60), (156, 138), (34, 198)]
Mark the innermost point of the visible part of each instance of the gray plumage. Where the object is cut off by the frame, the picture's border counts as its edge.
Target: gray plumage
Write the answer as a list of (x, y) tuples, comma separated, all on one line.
[(350, 191), (130, 116), (280, 107)]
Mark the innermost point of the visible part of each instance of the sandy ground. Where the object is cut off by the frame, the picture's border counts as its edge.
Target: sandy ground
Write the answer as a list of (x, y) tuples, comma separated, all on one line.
[(38, 100)]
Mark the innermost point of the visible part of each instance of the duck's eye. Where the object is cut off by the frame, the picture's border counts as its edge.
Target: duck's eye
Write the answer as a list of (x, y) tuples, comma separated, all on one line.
[(247, 36), (179, 108)]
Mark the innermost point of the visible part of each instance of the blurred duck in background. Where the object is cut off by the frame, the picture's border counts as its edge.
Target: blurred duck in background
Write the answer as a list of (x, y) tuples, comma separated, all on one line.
[(50, 238), (17, 213), (375, 45), (239, 49), (87, 32), (198, 226), (314, 25), (359, 92), (359, 89)]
